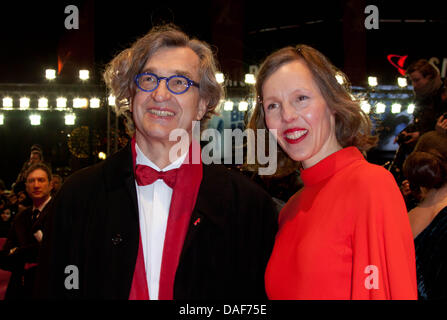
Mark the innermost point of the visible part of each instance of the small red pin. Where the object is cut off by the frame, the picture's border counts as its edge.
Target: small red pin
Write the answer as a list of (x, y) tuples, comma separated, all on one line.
[(197, 222)]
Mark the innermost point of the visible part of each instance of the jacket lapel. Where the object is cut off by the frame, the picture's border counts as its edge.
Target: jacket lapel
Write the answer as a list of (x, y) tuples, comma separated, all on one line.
[(120, 171), (211, 203)]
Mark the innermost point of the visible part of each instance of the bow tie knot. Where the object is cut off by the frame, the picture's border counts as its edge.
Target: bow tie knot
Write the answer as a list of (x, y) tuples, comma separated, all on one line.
[(146, 175)]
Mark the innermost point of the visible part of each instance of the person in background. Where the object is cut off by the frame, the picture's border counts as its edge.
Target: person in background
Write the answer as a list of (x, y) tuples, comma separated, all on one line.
[(426, 171), (21, 249), (346, 234), (2, 188), (13, 203), (430, 99), (56, 183), (5, 222), (36, 155), (431, 106)]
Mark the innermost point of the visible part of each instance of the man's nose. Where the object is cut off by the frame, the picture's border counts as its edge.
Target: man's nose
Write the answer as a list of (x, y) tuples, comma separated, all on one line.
[(161, 93)]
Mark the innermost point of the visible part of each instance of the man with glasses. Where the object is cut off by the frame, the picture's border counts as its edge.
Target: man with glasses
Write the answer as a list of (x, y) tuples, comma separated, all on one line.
[(152, 221)]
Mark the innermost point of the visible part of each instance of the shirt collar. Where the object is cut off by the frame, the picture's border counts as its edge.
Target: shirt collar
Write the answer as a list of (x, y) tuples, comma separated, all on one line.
[(42, 206), (143, 160)]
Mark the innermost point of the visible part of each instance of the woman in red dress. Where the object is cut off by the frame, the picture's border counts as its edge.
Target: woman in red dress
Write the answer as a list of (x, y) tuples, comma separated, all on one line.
[(346, 234)]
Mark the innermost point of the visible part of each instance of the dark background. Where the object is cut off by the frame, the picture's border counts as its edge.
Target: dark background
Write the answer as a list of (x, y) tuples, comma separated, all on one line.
[(243, 33)]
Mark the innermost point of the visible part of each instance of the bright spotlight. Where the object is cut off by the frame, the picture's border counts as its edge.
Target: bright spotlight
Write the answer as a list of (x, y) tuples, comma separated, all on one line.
[(95, 103), (243, 106), (410, 108), (80, 103), (402, 82), (380, 107), (2, 119), (250, 78), (70, 119), (42, 103), (228, 105), (61, 103), (220, 77), (7, 102), (111, 100), (372, 81), (340, 78), (24, 103), (396, 108), (365, 106), (102, 155), (84, 74), (35, 119), (50, 74)]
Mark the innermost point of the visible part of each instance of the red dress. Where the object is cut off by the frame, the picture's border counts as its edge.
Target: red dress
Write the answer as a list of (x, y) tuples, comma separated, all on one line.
[(345, 235)]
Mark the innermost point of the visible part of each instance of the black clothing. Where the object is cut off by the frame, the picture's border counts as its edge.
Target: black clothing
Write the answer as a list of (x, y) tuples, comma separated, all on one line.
[(224, 256), (431, 259), (428, 110), (20, 263)]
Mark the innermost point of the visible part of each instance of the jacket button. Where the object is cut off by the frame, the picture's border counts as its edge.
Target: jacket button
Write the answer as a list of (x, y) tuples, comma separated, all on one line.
[(117, 239)]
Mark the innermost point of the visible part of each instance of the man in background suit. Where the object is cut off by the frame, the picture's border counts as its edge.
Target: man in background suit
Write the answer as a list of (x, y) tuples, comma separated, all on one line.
[(21, 249), (150, 222)]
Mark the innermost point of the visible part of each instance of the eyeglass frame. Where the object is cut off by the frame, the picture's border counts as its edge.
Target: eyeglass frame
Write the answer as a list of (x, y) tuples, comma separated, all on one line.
[(189, 82)]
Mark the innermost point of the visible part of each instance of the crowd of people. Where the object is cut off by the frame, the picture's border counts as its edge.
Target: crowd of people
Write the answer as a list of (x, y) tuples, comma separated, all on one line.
[(147, 224)]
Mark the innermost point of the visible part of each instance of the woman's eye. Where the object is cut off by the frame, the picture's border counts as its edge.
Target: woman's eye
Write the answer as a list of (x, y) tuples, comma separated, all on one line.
[(302, 98), (272, 106)]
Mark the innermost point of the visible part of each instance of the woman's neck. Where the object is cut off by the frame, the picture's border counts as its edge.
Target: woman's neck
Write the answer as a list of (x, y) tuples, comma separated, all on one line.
[(435, 197)]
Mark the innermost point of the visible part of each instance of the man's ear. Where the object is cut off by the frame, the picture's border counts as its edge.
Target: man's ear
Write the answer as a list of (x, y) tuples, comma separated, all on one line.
[(201, 109)]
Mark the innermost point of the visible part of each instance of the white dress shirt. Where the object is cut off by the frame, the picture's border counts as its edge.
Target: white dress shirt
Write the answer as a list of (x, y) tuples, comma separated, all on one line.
[(154, 201)]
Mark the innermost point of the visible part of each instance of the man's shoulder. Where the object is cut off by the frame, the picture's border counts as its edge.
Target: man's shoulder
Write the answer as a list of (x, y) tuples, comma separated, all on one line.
[(92, 175), (23, 214)]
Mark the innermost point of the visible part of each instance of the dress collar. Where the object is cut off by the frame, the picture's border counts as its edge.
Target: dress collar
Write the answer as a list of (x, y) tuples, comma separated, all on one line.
[(330, 165)]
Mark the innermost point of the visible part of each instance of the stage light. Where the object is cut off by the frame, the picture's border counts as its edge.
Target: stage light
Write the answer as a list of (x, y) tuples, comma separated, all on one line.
[(340, 78), (380, 107), (2, 119), (365, 106), (95, 103), (35, 119), (220, 77), (372, 81), (111, 100), (70, 119), (243, 106), (80, 103), (50, 74), (24, 103), (250, 78), (84, 74), (410, 108), (7, 102), (42, 103), (61, 103), (402, 82), (102, 156), (228, 105), (396, 108)]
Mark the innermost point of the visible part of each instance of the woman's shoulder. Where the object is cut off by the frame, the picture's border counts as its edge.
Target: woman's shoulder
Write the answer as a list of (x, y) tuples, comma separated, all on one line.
[(368, 175)]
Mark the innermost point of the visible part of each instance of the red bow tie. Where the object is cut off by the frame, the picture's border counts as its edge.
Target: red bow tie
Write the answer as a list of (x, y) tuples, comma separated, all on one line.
[(146, 175)]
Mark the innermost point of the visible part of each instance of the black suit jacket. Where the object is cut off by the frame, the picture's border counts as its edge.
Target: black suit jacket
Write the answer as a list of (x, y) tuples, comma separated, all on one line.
[(95, 227)]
